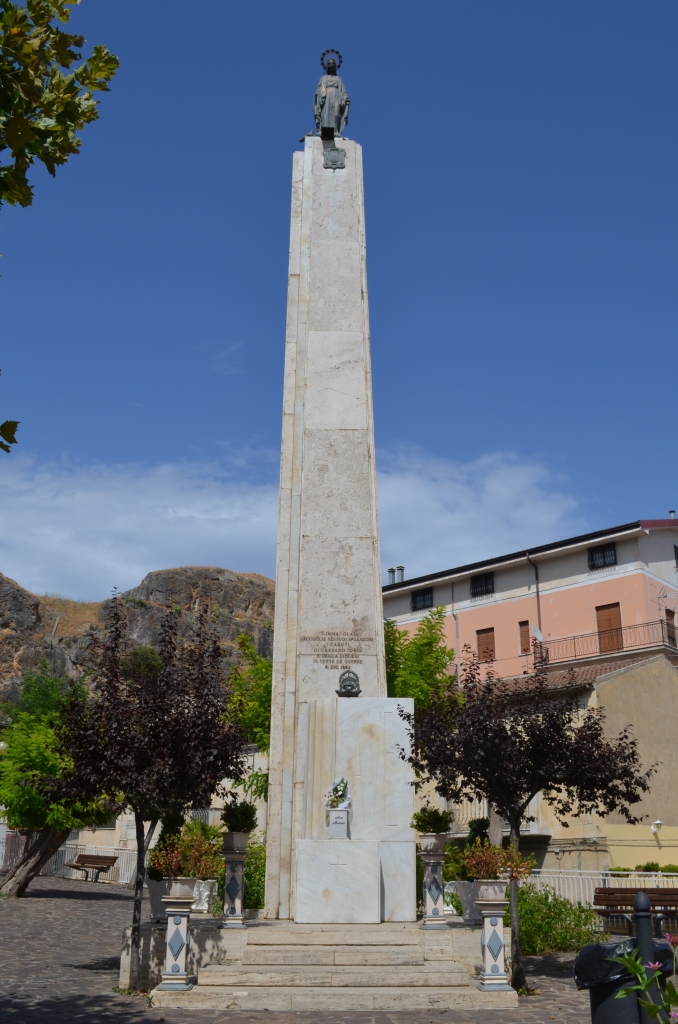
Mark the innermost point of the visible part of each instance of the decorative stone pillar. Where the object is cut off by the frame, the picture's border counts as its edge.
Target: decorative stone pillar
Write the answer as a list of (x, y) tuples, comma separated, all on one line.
[(178, 908), (235, 851), (492, 905), (432, 855)]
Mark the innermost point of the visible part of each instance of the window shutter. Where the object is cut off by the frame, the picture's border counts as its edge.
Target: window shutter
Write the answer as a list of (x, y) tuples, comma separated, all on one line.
[(671, 626), (524, 628), (608, 620), (485, 639)]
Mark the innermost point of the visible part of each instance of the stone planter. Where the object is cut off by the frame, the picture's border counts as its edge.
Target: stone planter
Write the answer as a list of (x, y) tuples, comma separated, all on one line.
[(468, 894), (235, 842), (201, 890), (432, 842), (491, 889)]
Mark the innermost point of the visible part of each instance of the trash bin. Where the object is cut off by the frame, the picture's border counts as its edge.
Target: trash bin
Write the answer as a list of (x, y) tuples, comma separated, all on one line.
[(594, 970)]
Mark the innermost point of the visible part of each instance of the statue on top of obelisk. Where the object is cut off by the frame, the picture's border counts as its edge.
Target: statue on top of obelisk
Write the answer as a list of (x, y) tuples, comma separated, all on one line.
[(330, 103)]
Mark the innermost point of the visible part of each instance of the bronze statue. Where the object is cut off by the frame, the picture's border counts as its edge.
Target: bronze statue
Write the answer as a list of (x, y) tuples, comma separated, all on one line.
[(330, 103)]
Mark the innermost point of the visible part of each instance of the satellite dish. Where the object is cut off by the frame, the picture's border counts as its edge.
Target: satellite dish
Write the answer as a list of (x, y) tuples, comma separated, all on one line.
[(537, 634)]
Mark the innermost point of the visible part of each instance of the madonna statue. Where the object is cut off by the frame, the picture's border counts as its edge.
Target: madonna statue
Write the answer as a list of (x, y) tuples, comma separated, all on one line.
[(330, 103)]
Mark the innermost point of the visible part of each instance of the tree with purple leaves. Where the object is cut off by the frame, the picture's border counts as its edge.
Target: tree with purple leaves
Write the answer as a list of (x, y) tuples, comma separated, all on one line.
[(509, 739), (152, 734)]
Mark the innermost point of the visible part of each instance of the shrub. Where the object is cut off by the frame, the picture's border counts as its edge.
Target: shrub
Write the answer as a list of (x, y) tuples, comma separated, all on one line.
[(485, 861), (478, 828), (551, 924), (652, 865), (453, 866), (195, 852), (240, 817), (254, 876), (428, 819)]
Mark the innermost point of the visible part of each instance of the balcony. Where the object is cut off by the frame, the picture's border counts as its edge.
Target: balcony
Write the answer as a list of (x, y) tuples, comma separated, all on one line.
[(610, 641)]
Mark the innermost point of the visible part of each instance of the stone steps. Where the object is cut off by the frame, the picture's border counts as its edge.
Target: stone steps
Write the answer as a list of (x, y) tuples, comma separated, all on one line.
[(334, 998), (340, 956), (425, 976), (282, 966), (349, 935)]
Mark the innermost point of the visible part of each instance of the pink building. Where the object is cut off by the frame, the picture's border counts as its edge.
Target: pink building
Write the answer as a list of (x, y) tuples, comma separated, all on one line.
[(606, 595), (604, 603)]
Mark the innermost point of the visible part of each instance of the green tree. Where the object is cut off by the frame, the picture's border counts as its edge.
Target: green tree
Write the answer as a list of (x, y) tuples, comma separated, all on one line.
[(251, 684), (43, 103), (418, 666), (29, 756)]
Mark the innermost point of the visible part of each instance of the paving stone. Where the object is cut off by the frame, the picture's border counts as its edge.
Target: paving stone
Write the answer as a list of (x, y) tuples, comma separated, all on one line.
[(60, 961)]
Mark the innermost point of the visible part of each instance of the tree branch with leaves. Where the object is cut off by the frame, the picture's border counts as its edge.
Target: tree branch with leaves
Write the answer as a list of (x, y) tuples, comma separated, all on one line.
[(44, 101)]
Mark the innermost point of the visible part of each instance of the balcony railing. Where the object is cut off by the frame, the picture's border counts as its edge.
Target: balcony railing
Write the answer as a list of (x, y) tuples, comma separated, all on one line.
[(609, 641)]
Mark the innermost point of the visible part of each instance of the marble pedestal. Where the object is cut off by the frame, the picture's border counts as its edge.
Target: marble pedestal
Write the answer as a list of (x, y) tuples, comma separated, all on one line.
[(434, 890), (493, 975), (175, 976), (371, 876)]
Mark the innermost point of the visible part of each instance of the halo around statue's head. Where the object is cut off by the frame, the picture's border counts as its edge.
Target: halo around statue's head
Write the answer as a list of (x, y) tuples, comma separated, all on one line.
[(323, 62)]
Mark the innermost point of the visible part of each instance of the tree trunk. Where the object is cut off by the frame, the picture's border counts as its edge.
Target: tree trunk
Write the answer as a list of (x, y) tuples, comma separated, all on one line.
[(32, 862), (494, 832), (132, 884), (518, 979), (135, 949)]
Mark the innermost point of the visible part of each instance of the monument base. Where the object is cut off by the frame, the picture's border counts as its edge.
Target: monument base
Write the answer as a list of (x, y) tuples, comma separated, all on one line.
[(278, 965)]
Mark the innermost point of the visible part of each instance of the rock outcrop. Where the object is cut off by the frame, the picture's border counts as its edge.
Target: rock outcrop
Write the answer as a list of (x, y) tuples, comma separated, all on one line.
[(32, 628)]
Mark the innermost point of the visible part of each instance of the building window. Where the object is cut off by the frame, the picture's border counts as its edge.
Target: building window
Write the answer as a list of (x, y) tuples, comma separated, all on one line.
[(485, 639), (420, 599), (603, 555), (608, 621), (675, 554), (483, 584), (671, 627), (524, 628)]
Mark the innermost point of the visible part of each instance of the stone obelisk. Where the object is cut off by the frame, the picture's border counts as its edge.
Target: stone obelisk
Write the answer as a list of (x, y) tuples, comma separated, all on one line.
[(330, 714)]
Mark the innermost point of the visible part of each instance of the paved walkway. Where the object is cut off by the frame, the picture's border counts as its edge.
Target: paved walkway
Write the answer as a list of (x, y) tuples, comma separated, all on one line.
[(60, 954)]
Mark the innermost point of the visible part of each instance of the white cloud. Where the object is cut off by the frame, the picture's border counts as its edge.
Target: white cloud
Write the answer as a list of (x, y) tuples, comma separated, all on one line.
[(79, 529), (435, 514)]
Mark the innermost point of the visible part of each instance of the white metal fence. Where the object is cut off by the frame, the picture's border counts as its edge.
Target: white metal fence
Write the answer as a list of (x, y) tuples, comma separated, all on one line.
[(12, 846), (580, 886)]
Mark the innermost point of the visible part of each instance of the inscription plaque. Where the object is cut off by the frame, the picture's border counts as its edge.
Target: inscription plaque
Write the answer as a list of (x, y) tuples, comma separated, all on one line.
[(337, 649)]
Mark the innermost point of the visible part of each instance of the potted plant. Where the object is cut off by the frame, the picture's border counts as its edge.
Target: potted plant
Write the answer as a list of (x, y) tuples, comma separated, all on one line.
[(433, 827), (185, 863), (240, 818), (486, 866)]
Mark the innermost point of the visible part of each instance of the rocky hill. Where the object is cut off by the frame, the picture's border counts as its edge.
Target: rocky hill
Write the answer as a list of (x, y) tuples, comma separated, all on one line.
[(57, 629)]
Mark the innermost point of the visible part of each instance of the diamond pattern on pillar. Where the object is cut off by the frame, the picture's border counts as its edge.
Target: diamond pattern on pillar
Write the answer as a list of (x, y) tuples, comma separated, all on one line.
[(435, 890), (495, 945), (233, 888), (176, 943)]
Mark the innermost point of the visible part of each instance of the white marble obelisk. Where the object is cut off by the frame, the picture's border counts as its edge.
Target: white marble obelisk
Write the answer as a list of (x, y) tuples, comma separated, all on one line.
[(328, 618)]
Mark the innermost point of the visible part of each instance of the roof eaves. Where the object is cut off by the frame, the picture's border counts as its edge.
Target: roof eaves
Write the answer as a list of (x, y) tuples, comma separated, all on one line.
[(515, 556)]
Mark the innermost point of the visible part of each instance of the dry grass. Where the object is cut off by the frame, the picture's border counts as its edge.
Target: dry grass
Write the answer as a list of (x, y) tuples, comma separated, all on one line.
[(75, 617)]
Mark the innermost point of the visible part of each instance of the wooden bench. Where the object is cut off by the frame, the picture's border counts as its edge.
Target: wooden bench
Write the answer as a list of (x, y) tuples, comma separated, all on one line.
[(618, 902), (91, 862)]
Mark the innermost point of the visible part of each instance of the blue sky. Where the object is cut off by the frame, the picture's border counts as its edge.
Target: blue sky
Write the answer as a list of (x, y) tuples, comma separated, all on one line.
[(520, 167)]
